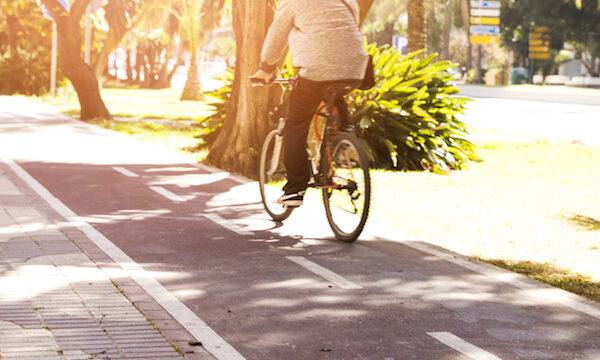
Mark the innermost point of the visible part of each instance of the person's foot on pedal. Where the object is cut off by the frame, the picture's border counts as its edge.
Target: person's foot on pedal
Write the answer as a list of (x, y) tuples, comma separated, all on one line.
[(291, 200)]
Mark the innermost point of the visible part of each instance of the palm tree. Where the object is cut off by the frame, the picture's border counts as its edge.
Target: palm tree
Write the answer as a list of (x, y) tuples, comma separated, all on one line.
[(417, 25), (196, 18)]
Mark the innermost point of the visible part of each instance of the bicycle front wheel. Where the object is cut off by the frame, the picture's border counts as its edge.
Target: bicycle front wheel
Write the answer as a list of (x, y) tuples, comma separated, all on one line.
[(272, 175), (347, 195)]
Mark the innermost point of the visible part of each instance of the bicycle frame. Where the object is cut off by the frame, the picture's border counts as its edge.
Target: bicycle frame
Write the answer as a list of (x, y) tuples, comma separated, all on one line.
[(324, 149)]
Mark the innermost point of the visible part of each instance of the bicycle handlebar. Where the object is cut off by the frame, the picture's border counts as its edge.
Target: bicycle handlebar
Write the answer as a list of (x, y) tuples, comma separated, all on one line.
[(261, 82)]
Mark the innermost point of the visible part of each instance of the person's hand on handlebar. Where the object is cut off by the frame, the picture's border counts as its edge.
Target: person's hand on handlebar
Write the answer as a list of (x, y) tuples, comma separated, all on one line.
[(261, 78)]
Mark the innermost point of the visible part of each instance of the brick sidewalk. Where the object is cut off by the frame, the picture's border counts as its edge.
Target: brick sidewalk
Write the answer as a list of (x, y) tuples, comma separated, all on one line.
[(57, 301)]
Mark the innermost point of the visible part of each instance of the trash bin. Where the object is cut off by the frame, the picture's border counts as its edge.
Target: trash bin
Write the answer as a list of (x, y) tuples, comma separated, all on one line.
[(519, 76), (496, 77)]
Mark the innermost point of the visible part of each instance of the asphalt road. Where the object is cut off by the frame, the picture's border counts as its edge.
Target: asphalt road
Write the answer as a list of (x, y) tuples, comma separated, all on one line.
[(252, 288), (529, 113)]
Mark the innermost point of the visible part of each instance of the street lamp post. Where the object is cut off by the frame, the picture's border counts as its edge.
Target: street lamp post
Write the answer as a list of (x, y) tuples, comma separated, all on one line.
[(53, 63), (65, 4)]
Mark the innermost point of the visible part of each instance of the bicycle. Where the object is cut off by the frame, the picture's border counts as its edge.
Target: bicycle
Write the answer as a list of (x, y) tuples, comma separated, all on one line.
[(338, 163)]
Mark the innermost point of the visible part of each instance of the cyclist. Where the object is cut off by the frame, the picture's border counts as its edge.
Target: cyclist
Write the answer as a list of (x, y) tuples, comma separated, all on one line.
[(326, 48)]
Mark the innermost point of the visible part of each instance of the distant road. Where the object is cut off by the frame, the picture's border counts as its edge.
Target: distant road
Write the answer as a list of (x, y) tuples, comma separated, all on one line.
[(554, 94), (526, 113)]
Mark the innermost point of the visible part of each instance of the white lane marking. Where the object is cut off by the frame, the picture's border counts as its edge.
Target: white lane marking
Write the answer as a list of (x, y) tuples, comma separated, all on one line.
[(125, 171), (166, 193), (324, 272), (228, 224), (210, 169), (462, 346), (210, 340)]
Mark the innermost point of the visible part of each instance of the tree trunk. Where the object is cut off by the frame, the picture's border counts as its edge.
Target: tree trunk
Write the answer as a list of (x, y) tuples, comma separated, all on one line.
[(71, 62), (417, 26), (12, 30), (478, 72), (129, 64), (447, 28), (178, 63), (192, 88), (237, 145), (464, 11), (110, 45), (139, 62)]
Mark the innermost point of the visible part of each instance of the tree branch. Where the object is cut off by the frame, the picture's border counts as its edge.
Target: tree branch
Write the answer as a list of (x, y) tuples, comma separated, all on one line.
[(364, 6), (78, 8)]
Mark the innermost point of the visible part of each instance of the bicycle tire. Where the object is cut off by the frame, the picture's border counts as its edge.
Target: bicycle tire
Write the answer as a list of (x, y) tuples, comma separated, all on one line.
[(346, 165), (272, 180)]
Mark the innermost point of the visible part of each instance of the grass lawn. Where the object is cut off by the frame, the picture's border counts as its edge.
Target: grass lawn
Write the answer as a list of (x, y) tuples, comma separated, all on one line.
[(136, 103), (153, 115), (532, 207), (533, 203)]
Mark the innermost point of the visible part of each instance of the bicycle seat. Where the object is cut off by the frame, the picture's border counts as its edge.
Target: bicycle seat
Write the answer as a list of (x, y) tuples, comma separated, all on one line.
[(341, 87)]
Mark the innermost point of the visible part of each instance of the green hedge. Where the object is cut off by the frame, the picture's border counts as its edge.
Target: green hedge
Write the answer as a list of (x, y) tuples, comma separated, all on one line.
[(25, 73), (409, 119)]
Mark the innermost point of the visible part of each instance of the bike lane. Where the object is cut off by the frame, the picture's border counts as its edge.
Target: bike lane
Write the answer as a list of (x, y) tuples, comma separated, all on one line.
[(205, 238)]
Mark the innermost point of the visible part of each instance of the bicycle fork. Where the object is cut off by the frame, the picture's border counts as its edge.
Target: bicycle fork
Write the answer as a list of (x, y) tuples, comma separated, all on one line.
[(277, 146)]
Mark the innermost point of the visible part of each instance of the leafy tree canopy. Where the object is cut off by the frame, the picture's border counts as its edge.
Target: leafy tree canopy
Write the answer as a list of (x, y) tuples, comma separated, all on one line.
[(576, 22)]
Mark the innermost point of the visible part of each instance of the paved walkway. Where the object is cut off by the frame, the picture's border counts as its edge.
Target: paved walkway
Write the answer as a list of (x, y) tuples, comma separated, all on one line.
[(62, 298)]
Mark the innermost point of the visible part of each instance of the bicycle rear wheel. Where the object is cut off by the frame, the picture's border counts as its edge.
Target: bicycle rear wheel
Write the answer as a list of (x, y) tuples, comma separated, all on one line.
[(348, 193), (272, 175)]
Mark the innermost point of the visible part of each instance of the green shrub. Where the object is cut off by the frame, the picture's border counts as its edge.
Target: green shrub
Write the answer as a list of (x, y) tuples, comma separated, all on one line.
[(408, 121), (26, 73), (219, 100)]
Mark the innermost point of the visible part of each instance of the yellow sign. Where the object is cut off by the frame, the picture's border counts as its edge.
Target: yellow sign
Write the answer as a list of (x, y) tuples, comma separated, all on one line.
[(539, 49), (541, 29), (540, 42), (485, 21), (484, 39), (539, 36), (539, 55)]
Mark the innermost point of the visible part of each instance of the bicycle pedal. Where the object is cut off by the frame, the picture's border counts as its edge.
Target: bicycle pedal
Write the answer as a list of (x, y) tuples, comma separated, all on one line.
[(290, 206)]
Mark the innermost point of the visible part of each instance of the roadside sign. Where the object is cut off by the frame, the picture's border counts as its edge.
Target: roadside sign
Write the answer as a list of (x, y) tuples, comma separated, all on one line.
[(485, 12), (539, 36), (539, 49), (543, 56), (485, 30), (64, 4), (400, 43), (485, 21), (484, 39), (540, 43), (485, 4)]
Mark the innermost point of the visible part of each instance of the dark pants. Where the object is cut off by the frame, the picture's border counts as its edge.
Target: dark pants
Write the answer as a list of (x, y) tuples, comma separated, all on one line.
[(304, 101)]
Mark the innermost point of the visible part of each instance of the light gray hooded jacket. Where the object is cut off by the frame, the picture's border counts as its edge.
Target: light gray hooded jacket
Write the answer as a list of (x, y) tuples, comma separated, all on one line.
[(323, 36)]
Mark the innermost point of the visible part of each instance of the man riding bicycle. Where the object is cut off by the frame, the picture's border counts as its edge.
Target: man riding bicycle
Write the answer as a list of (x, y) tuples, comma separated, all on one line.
[(327, 48)]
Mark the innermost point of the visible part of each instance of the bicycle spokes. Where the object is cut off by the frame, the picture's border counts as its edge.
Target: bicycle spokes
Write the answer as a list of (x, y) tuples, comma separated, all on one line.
[(272, 176), (347, 196)]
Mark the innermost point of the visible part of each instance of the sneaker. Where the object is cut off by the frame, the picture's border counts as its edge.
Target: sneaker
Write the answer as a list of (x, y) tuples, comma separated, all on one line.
[(291, 200)]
